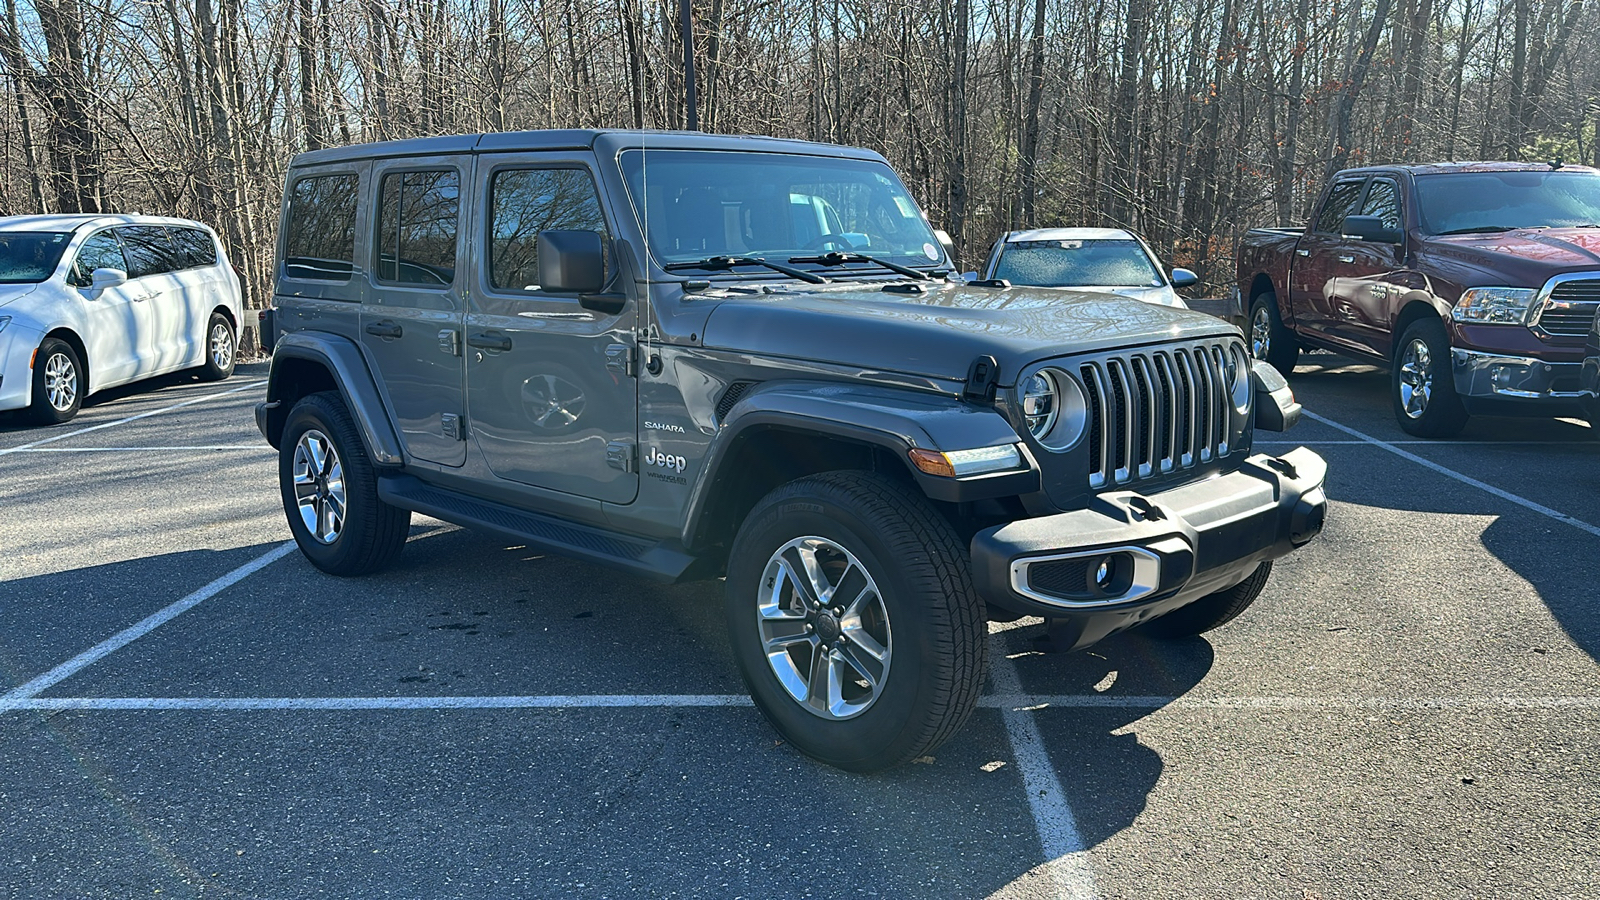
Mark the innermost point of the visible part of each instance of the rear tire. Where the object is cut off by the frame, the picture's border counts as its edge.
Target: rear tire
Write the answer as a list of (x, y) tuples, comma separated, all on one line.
[(221, 346), (1212, 610), (58, 383), (330, 491), (892, 668), (1270, 339), (1421, 384)]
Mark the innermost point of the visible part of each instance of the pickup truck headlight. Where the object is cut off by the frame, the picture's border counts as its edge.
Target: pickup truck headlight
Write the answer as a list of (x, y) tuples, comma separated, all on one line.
[(1054, 407), (1494, 306)]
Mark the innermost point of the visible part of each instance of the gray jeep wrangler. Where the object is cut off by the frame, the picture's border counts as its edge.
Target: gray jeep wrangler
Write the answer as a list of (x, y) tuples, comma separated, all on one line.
[(689, 356)]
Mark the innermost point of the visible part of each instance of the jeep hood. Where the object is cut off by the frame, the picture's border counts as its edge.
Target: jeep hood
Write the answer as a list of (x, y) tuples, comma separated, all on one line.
[(938, 333)]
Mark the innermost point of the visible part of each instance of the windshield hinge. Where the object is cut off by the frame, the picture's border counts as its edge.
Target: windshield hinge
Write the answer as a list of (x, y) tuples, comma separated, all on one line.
[(983, 376)]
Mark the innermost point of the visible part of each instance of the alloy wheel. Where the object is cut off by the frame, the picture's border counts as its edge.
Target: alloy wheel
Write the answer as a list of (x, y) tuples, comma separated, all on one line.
[(1416, 378), (319, 486), (824, 628), (60, 382), (221, 346), (1260, 333)]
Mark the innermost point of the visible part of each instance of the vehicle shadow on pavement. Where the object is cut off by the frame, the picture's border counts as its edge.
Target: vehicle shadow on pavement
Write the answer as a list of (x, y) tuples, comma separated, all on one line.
[(1106, 772), (16, 420)]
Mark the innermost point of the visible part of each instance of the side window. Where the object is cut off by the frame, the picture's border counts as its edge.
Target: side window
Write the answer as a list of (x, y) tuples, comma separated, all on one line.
[(524, 202), (1341, 202), (195, 247), (321, 239), (1383, 201), (417, 213), (100, 251), (148, 249)]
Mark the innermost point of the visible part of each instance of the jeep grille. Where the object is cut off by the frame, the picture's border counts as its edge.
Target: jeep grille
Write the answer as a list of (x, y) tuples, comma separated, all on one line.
[(1157, 411)]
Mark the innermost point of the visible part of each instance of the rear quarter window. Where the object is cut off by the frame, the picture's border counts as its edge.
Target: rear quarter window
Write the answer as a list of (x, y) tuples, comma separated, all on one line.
[(149, 250), (320, 235), (195, 247)]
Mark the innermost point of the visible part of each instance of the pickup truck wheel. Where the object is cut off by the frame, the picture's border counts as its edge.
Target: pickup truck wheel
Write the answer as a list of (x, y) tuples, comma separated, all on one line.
[(58, 377), (1212, 610), (1424, 390), (854, 621), (1269, 339), (221, 349), (330, 491)]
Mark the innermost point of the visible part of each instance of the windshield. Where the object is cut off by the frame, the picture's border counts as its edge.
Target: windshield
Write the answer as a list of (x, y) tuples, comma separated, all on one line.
[(699, 204), (1092, 263), (1467, 202), (29, 257)]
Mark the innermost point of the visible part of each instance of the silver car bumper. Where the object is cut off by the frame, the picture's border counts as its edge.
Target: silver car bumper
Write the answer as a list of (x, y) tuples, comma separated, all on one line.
[(1521, 378)]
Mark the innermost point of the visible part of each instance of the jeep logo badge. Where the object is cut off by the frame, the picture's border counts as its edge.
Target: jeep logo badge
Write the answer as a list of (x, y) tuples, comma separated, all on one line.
[(665, 461)]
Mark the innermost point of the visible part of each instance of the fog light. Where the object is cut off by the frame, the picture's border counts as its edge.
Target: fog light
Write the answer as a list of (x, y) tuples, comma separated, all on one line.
[(1102, 575)]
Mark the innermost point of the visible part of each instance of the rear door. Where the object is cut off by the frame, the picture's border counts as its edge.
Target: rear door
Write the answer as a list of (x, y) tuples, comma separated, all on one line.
[(411, 315), (152, 265), (1316, 258), (552, 397)]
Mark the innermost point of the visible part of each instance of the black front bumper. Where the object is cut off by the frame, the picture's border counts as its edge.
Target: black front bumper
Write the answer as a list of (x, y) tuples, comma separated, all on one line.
[(1160, 551)]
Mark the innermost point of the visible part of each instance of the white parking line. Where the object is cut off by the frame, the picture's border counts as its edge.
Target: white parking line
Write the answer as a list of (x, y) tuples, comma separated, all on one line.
[(1066, 857), (145, 626), (1464, 479), (1020, 704), (144, 415), (259, 448)]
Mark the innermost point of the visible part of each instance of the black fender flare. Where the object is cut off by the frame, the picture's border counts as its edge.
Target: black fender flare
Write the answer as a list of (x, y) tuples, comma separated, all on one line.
[(892, 419), (343, 360)]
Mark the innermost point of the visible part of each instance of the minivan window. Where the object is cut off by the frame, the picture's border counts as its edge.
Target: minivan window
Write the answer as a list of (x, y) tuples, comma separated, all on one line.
[(195, 247), (417, 214), (525, 202), (101, 251), (29, 257), (149, 250), (1341, 203), (321, 238)]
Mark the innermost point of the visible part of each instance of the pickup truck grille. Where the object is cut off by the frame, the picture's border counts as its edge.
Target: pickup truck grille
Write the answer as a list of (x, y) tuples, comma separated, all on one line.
[(1571, 308), (1157, 411)]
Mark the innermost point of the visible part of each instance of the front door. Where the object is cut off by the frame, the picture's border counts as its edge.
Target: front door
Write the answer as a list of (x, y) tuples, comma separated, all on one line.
[(411, 312), (119, 330), (1317, 258), (551, 396), (1371, 280)]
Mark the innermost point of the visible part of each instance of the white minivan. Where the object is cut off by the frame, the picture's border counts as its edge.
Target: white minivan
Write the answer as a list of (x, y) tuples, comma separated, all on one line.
[(88, 302), (1110, 260)]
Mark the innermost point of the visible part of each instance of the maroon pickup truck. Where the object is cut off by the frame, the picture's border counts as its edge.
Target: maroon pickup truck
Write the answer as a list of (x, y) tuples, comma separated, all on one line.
[(1475, 283)]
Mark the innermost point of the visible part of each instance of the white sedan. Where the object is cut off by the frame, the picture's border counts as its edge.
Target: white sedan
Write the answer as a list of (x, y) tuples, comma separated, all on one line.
[(1087, 259), (88, 302)]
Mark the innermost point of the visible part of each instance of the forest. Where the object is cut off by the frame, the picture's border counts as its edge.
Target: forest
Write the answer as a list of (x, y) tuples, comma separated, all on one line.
[(1188, 120)]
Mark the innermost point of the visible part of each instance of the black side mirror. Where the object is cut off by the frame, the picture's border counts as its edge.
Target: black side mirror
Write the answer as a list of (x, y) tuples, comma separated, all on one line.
[(1276, 409), (571, 262), (1371, 228)]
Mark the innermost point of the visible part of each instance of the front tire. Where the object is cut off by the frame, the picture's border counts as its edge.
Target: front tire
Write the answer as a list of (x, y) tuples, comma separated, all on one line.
[(854, 621), (221, 349), (58, 383), (1212, 610), (1421, 384), (330, 491), (1270, 339)]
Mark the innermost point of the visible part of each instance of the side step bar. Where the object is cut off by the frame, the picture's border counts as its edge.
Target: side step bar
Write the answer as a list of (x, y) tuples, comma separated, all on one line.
[(650, 559)]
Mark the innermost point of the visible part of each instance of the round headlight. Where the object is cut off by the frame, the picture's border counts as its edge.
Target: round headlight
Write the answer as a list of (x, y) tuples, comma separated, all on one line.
[(1054, 407), (1239, 380), (1040, 404)]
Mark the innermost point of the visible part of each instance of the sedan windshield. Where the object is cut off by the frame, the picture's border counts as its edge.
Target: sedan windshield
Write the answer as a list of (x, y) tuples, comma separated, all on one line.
[(701, 205), (1090, 263), (29, 257), (1484, 202)]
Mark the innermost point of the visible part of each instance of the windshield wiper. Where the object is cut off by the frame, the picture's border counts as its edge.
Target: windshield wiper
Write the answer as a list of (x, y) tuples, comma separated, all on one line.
[(728, 263), (1488, 229), (839, 258)]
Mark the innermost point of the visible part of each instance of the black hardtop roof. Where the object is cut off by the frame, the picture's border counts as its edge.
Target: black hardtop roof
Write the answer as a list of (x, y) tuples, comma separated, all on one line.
[(1450, 168), (600, 140)]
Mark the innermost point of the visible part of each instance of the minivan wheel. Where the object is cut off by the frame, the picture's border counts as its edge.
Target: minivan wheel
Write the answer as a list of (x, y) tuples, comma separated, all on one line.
[(330, 491), (221, 349), (1270, 340), (1212, 610), (58, 381), (1421, 384), (854, 621)]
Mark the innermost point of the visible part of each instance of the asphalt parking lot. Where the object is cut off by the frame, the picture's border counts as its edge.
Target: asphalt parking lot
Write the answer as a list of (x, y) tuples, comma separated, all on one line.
[(189, 709)]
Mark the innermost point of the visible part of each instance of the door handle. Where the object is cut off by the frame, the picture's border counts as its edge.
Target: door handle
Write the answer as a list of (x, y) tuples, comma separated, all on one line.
[(1347, 259), (1302, 253), (489, 340), (384, 328)]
